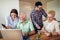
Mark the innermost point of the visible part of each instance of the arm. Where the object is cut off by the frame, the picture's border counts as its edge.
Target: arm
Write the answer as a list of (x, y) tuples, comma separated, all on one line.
[(44, 13), (33, 21), (31, 29), (43, 31), (56, 29), (17, 26), (31, 33), (7, 22)]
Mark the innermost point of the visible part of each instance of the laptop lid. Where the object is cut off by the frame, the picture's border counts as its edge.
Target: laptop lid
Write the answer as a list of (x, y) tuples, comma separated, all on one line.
[(11, 34)]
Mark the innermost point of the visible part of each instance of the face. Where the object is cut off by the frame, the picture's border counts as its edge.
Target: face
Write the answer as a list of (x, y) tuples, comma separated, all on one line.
[(22, 17), (50, 17), (13, 16), (38, 8)]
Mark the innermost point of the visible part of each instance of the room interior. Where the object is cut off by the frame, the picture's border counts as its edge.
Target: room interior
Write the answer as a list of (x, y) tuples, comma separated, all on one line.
[(27, 6)]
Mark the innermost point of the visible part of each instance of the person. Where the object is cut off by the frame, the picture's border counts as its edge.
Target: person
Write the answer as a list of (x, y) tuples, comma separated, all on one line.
[(12, 19), (36, 16), (26, 26), (51, 26)]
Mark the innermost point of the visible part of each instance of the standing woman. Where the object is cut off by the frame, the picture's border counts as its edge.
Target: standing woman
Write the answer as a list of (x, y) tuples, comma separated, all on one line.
[(12, 19)]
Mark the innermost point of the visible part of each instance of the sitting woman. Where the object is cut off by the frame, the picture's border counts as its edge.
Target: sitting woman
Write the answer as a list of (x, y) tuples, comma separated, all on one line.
[(51, 26), (12, 19)]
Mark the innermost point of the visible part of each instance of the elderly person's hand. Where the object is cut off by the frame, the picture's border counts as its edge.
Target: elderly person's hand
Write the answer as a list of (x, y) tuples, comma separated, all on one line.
[(25, 35), (55, 34), (48, 34)]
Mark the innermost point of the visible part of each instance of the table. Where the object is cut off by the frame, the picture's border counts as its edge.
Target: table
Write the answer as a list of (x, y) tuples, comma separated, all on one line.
[(1, 39), (44, 37)]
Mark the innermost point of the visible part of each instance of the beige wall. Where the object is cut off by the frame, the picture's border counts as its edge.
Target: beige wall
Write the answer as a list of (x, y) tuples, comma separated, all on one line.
[(54, 5), (27, 6)]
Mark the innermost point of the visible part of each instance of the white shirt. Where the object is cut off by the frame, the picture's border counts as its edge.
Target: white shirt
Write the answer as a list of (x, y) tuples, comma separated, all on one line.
[(10, 22), (51, 26)]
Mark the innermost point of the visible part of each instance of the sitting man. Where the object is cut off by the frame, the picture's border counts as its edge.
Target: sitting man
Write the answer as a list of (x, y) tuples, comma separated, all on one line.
[(51, 26), (26, 26)]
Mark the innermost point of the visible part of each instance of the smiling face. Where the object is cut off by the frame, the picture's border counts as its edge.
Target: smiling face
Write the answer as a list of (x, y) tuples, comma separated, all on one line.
[(22, 17), (13, 16)]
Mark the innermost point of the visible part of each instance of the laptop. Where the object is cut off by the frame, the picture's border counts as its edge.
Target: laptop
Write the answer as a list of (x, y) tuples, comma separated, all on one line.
[(11, 34)]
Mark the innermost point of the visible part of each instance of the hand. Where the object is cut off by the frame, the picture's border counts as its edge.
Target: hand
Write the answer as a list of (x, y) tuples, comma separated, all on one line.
[(38, 27), (8, 27), (47, 34), (42, 32), (55, 34), (25, 34)]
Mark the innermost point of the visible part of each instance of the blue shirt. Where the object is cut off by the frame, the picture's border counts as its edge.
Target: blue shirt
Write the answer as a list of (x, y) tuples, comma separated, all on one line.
[(36, 17), (10, 22)]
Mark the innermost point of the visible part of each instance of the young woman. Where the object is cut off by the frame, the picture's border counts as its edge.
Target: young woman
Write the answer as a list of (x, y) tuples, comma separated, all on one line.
[(12, 19)]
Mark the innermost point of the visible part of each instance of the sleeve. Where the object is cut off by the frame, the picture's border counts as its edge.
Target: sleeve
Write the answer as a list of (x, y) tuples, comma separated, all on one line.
[(44, 27), (31, 26), (44, 13), (33, 19), (57, 27), (17, 26), (7, 21)]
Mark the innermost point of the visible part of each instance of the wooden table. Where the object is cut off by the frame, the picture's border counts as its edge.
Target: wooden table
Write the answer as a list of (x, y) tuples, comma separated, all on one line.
[(44, 37), (1, 39)]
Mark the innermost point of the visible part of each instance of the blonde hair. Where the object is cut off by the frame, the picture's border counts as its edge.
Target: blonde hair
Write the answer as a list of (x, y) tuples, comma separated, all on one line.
[(52, 12)]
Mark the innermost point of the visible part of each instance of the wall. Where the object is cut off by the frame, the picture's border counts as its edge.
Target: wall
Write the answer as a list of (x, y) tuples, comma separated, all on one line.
[(26, 7), (54, 5), (5, 7)]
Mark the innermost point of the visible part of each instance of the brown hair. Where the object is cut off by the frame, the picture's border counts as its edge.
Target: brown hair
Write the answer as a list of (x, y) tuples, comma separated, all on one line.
[(14, 11)]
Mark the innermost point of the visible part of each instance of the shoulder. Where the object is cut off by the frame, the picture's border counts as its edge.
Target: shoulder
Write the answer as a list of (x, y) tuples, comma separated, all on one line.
[(32, 12), (8, 17), (42, 9), (45, 22), (55, 22), (29, 21)]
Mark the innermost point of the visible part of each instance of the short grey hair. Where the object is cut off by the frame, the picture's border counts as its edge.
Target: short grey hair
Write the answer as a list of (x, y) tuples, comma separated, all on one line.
[(24, 14)]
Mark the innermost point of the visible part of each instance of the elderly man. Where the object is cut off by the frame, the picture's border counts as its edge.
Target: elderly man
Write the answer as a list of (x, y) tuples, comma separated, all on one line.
[(26, 26), (51, 26)]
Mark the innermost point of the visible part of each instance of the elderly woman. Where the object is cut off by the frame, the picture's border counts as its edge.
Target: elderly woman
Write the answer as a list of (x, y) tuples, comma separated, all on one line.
[(51, 26), (25, 25)]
